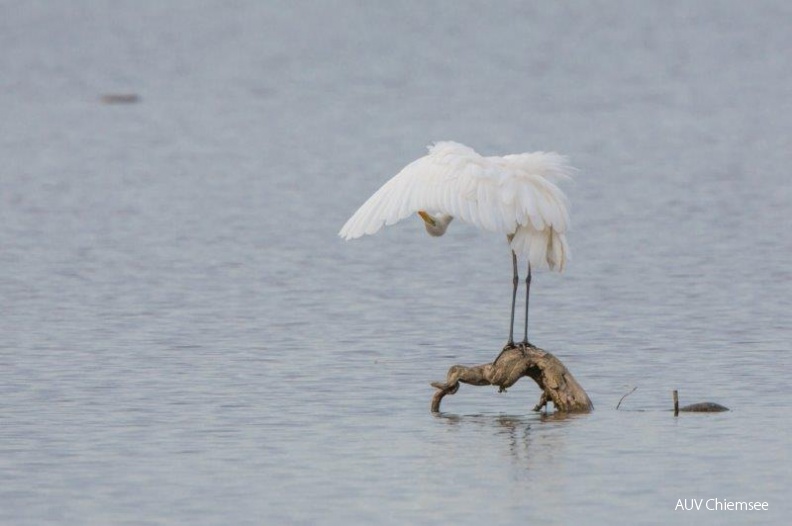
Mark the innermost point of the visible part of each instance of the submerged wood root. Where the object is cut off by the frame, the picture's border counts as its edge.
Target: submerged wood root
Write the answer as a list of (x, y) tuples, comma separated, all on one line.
[(515, 361)]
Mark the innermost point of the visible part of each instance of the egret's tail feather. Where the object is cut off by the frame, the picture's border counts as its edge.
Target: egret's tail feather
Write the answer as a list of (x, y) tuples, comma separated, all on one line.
[(544, 249)]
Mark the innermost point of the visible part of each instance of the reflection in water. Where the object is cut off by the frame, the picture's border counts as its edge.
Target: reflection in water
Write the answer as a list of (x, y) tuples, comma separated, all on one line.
[(526, 438)]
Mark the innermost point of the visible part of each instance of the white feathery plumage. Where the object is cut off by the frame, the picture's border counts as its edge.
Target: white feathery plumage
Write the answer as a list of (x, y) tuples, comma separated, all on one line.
[(515, 195)]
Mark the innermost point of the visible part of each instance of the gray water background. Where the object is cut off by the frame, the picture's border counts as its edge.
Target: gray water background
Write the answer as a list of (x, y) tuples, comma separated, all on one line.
[(184, 339)]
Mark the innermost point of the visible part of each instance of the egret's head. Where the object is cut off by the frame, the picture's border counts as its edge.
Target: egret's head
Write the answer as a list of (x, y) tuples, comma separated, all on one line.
[(435, 225)]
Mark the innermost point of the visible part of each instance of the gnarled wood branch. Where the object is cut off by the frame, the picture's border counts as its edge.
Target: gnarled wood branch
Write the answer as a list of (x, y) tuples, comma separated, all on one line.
[(515, 361)]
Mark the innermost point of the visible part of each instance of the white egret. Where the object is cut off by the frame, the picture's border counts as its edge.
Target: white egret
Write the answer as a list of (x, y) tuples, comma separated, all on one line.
[(515, 195)]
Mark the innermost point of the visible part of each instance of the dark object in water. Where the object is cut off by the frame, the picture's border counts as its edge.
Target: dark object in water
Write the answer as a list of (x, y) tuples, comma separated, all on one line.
[(704, 407), (120, 98), (701, 407)]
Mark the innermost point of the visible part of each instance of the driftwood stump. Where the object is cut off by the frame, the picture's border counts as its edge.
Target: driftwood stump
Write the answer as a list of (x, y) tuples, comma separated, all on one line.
[(515, 361)]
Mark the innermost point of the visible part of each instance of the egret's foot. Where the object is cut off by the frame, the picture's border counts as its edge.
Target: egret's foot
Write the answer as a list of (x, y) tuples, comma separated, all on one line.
[(525, 344)]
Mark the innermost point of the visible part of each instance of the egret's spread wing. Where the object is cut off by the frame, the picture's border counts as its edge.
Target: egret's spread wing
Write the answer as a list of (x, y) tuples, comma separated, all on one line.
[(494, 193), (447, 180)]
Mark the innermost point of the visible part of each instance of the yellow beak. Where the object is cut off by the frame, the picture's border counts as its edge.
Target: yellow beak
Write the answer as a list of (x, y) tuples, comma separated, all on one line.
[(427, 218)]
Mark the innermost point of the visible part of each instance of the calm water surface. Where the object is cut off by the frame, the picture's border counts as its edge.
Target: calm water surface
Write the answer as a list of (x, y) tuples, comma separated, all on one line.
[(184, 339)]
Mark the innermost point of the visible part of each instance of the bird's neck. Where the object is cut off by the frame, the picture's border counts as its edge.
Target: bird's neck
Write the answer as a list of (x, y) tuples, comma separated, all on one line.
[(441, 224)]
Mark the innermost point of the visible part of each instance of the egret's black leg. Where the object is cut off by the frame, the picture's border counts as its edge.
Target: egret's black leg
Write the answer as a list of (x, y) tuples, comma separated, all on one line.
[(515, 282), (527, 294)]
